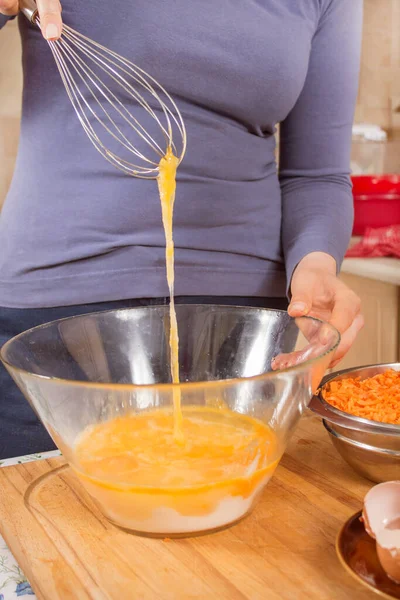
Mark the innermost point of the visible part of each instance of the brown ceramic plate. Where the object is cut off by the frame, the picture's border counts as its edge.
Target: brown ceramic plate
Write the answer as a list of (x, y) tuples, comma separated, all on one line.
[(357, 553)]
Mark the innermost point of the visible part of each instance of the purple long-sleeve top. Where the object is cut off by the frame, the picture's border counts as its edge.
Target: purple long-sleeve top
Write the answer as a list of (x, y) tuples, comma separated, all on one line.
[(74, 230)]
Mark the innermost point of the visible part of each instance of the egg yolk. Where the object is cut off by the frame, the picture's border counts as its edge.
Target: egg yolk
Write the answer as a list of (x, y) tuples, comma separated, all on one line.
[(132, 464), (190, 461), (166, 186)]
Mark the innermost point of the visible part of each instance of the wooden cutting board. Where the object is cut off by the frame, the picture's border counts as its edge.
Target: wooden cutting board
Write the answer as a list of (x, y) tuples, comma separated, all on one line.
[(284, 550)]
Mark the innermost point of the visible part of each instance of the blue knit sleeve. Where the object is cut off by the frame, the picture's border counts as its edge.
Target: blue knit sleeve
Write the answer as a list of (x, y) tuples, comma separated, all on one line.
[(315, 141), (4, 20)]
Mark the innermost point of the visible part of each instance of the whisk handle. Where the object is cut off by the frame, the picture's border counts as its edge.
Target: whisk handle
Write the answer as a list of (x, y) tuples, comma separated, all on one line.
[(29, 9)]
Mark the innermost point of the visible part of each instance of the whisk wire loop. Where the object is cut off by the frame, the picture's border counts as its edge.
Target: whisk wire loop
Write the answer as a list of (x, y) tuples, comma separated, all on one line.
[(106, 108)]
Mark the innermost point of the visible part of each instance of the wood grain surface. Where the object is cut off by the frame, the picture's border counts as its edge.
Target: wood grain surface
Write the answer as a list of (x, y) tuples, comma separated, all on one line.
[(285, 550)]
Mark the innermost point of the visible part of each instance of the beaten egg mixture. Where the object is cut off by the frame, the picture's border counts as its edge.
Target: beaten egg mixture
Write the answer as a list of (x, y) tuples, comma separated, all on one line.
[(182, 469)]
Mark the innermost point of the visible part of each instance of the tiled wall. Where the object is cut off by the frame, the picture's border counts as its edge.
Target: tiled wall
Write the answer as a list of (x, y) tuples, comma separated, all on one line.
[(10, 102), (379, 93)]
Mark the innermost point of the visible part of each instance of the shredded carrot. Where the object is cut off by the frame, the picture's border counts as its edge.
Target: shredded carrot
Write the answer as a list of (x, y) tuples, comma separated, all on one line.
[(376, 398)]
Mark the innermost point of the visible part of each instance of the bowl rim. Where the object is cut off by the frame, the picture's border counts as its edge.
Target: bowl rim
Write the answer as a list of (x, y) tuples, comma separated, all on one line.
[(170, 386), (360, 445), (321, 407)]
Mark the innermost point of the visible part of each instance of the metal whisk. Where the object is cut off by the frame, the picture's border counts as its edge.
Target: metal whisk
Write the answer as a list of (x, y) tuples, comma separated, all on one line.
[(104, 89)]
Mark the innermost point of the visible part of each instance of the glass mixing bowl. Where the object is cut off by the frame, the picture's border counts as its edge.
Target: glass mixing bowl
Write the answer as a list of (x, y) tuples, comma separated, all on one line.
[(111, 370)]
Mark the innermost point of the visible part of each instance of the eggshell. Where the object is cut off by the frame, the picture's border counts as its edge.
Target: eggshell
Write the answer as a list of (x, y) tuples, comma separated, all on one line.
[(367, 526), (388, 549), (381, 506), (381, 516)]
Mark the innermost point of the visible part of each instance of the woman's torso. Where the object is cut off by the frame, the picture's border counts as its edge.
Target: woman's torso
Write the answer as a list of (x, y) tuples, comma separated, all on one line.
[(75, 230)]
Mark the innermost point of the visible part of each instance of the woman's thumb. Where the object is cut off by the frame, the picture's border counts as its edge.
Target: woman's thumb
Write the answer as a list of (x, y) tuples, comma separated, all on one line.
[(301, 289), (9, 7)]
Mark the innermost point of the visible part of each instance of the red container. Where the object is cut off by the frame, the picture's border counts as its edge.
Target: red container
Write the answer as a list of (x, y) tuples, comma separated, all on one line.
[(376, 202)]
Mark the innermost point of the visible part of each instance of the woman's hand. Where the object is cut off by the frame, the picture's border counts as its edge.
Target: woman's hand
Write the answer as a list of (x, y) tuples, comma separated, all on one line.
[(317, 292), (49, 12)]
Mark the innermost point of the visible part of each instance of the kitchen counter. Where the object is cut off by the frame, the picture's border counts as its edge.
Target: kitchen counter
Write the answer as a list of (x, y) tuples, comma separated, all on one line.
[(13, 583), (385, 269), (284, 550), (379, 269)]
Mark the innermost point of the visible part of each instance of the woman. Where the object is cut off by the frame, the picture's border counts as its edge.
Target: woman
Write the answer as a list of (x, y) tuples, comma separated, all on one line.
[(78, 236)]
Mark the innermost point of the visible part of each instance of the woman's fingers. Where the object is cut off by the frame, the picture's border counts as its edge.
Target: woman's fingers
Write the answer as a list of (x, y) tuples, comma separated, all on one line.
[(292, 359), (348, 338), (345, 310), (50, 18), (49, 12), (347, 319), (283, 361), (9, 7)]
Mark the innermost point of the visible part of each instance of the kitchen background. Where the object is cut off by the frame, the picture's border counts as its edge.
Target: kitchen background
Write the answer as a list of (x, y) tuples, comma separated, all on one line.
[(377, 281)]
